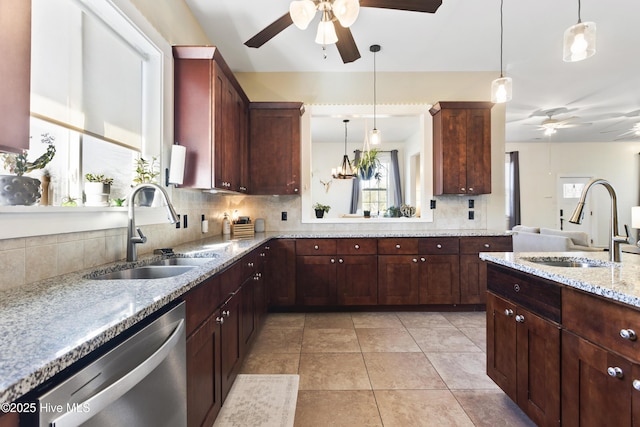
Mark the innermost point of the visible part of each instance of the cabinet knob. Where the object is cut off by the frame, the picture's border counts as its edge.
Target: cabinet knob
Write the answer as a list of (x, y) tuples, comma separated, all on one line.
[(398, 246), (628, 334), (333, 261), (250, 264), (462, 189), (423, 259), (341, 261), (262, 254), (516, 287), (256, 277), (508, 312), (519, 318), (415, 260), (615, 372), (316, 247), (357, 246), (439, 246), (470, 188), (295, 190), (219, 320), (636, 384), (266, 248), (226, 313), (486, 245)]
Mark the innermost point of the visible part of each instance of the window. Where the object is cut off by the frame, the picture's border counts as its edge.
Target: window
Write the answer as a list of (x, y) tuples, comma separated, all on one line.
[(375, 192)]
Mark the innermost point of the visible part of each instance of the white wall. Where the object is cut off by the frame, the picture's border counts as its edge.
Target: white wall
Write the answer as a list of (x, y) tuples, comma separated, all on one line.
[(542, 162)]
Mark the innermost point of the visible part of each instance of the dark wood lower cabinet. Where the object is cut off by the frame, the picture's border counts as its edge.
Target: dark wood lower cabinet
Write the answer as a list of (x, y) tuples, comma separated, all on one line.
[(231, 342), (439, 279), (357, 281), (204, 394), (316, 280), (280, 272), (398, 280)]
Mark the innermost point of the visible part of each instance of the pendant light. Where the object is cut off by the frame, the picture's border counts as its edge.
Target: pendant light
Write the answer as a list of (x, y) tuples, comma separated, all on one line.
[(375, 136), (345, 171), (501, 88), (579, 40)]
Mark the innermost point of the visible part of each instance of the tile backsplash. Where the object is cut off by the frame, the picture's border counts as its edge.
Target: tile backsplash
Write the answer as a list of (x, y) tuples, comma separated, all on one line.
[(30, 259)]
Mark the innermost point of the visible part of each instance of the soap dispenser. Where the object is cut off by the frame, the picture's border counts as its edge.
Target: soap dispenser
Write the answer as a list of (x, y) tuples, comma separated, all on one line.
[(226, 225)]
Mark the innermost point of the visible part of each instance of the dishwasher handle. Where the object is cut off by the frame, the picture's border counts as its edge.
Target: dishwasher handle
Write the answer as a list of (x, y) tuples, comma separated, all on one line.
[(122, 385)]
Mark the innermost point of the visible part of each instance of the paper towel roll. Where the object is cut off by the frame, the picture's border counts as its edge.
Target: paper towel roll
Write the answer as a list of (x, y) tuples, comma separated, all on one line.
[(176, 170)]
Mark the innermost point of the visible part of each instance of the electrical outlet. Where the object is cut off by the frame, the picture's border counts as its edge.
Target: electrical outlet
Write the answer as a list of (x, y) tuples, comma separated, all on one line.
[(283, 216), (432, 205), (178, 222), (184, 221), (471, 215), (471, 203)]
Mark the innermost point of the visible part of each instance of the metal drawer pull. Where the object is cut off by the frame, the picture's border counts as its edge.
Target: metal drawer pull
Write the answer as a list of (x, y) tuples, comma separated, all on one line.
[(357, 246), (628, 334), (397, 246), (415, 260), (508, 312), (439, 246), (615, 372), (316, 247), (219, 320), (333, 261), (423, 259), (520, 318), (340, 260), (486, 245), (470, 188), (636, 384), (226, 313)]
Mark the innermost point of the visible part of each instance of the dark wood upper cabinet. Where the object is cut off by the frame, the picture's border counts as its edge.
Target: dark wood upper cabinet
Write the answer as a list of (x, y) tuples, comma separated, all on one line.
[(15, 69), (461, 147), (274, 147), (210, 110)]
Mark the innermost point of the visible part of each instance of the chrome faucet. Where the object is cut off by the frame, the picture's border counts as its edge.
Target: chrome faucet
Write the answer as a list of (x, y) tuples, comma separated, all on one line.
[(132, 239), (615, 240)]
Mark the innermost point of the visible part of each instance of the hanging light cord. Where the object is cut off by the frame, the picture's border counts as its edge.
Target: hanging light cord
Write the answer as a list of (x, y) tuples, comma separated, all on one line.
[(374, 90), (501, 37), (579, 7)]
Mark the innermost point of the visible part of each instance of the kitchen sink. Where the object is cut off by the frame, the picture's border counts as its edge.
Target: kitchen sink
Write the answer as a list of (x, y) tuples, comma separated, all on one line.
[(146, 272), (193, 262), (568, 262)]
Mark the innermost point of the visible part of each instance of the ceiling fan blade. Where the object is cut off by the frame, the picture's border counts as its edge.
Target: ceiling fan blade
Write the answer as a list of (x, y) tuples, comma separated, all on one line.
[(346, 44), (428, 6), (270, 31)]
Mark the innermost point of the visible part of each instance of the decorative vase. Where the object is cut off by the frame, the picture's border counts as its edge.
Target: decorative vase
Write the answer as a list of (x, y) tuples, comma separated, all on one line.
[(96, 194), (44, 199), (319, 213), (366, 173), (145, 196), (18, 190)]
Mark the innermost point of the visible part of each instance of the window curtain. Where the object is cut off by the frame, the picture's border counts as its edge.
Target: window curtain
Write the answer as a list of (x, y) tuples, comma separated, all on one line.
[(513, 164), (355, 189), (396, 184)]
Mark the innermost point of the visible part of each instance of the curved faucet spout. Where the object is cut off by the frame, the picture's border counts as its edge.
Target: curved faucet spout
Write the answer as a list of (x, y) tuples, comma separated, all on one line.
[(615, 251), (132, 230)]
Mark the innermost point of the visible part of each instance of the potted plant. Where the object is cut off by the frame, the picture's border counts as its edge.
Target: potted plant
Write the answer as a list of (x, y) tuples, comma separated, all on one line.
[(97, 189), (146, 171), (368, 164), (321, 209), (18, 189)]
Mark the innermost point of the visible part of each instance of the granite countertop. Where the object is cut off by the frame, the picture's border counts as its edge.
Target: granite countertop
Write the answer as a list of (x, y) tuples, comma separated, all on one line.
[(616, 281), (47, 326)]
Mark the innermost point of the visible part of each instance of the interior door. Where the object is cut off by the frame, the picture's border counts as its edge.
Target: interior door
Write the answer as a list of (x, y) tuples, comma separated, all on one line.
[(569, 192)]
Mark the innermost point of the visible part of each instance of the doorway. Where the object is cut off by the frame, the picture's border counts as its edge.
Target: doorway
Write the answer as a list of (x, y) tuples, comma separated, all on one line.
[(569, 190)]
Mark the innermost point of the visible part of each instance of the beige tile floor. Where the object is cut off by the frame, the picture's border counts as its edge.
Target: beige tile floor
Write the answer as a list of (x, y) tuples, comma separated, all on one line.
[(385, 369)]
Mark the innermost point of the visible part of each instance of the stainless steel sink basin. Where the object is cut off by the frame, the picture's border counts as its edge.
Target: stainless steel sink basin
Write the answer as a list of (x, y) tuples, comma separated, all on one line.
[(146, 272), (568, 262), (193, 262)]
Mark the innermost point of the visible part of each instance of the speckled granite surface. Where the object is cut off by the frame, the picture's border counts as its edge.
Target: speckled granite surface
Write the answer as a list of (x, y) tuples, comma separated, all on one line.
[(47, 326), (617, 281)]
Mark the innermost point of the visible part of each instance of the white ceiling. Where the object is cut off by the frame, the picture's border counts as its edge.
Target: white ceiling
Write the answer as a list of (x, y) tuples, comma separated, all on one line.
[(464, 35)]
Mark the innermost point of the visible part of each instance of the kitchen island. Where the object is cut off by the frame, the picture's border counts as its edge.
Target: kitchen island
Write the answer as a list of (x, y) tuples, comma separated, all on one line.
[(561, 335)]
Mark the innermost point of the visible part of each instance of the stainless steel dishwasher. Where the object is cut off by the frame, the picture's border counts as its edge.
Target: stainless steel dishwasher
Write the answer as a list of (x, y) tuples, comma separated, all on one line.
[(140, 382)]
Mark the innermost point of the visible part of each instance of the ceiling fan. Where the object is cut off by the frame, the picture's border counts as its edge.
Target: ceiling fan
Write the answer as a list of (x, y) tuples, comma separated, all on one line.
[(345, 12), (551, 125)]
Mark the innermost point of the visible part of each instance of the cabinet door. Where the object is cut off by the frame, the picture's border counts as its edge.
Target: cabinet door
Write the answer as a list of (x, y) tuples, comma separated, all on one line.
[(204, 396), (357, 280), (398, 279), (248, 321), (231, 342), (15, 69), (453, 156), (538, 368), (280, 272), (590, 395), (439, 279), (316, 280), (274, 148), (478, 151), (473, 280), (226, 141), (501, 344)]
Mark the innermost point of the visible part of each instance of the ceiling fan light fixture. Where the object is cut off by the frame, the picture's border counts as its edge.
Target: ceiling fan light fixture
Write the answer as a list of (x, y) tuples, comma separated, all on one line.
[(326, 31), (501, 90), (579, 42), (346, 11), (302, 13)]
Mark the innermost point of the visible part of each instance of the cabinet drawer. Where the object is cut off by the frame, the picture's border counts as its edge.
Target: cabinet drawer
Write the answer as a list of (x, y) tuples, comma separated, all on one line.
[(474, 245), (231, 279), (315, 246), (201, 301), (357, 246), (438, 245), (397, 246), (602, 322), (541, 296)]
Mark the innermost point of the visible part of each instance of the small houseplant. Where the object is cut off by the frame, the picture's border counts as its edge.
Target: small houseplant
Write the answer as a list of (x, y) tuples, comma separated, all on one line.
[(368, 164), (97, 189), (146, 171), (23, 190), (321, 209)]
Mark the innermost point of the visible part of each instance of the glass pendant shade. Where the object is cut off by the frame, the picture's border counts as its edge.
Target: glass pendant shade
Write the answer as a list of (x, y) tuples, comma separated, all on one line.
[(501, 90), (302, 12), (579, 42), (375, 137), (326, 33), (346, 11)]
